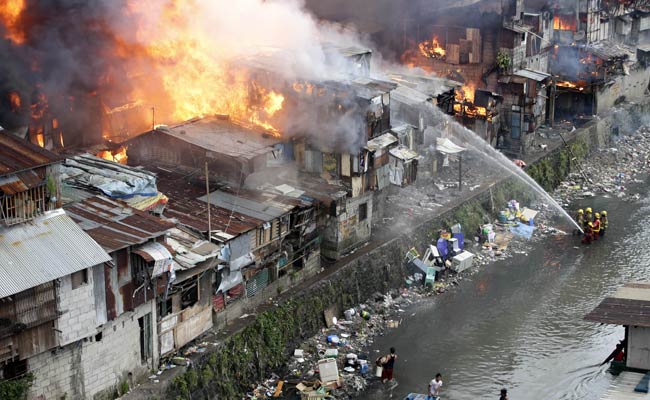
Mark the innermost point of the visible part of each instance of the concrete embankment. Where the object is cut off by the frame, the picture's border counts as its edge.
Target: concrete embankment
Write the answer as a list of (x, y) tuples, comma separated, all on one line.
[(255, 347)]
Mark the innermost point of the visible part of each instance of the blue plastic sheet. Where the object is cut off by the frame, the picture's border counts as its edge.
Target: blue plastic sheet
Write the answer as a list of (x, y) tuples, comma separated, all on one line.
[(523, 230), (442, 247)]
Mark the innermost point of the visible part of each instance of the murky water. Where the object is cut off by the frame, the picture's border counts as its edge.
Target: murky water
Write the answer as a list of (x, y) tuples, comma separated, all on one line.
[(518, 324)]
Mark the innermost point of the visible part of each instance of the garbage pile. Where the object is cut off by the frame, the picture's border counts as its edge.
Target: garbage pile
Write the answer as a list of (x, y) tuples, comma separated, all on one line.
[(332, 364), (612, 170)]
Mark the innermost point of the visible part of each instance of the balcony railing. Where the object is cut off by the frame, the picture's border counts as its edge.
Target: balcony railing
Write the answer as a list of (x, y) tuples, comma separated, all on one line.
[(23, 206)]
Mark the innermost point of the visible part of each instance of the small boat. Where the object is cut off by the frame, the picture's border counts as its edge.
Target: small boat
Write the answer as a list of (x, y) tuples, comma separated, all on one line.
[(417, 396)]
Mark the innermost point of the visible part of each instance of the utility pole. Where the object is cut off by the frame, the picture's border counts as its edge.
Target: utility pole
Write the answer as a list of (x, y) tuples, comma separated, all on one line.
[(207, 194), (153, 118)]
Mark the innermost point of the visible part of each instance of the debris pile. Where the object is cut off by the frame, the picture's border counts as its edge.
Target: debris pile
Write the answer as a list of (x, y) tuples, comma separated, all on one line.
[(609, 171)]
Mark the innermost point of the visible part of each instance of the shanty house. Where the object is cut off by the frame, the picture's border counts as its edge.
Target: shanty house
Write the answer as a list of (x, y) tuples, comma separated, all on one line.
[(230, 150), (111, 309)]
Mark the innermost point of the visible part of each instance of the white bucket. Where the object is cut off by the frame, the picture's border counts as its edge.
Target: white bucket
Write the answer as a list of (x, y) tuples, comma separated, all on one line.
[(378, 371)]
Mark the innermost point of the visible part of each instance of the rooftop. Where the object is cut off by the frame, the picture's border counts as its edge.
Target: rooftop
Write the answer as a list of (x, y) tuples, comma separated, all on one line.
[(623, 387), (184, 186), (263, 206), (49, 247), (222, 136), (19, 155), (86, 176), (630, 305), (114, 225)]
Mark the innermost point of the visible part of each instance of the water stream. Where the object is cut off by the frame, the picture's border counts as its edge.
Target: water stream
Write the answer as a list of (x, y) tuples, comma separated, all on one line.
[(480, 147)]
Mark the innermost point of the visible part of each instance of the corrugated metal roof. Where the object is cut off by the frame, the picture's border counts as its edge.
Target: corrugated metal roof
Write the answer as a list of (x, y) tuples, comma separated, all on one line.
[(222, 136), (403, 153), (265, 210), (20, 182), (622, 388), (630, 305), (381, 142), (18, 155), (47, 248), (114, 225), (183, 186), (368, 88), (532, 74)]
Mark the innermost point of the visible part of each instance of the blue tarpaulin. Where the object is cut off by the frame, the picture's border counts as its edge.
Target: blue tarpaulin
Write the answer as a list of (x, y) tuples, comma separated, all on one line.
[(442, 247), (523, 230)]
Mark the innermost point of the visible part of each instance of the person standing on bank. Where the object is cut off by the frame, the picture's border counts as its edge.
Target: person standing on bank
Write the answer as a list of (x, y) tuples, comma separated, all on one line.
[(388, 365)]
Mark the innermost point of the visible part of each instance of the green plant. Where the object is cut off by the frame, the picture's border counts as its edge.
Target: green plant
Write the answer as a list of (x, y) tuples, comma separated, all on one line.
[(123, 388), (503, 60), (16, 389)]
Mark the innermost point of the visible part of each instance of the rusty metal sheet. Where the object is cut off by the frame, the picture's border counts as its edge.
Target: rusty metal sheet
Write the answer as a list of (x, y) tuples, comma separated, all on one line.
[(19, 155), (115, 225), (619, 311)]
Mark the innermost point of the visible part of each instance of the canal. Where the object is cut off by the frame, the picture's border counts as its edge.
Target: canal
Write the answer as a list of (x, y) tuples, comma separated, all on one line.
[(518, 323)]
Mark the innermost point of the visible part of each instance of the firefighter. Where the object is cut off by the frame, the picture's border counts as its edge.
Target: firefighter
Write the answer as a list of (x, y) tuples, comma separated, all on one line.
[(580, 220), (596, 226), (588, 216), (603, 223), (588, 236)]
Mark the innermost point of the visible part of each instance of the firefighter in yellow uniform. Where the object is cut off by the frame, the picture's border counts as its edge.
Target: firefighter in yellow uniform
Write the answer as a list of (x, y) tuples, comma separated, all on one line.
[(588, 216), (580, 220), (603, 223)]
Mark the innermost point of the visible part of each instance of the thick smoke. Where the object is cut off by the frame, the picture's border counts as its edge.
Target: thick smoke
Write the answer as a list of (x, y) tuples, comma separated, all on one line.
[(88, 56)]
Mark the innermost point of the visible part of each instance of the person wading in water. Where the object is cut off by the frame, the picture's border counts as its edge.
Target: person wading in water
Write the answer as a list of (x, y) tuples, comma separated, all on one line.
[(388, 363)]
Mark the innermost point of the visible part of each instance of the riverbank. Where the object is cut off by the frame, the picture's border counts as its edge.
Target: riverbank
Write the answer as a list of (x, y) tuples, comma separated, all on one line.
[(540, 274), (251, 348)]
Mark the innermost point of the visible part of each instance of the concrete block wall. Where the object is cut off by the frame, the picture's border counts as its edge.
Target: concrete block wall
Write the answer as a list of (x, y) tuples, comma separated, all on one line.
[(77, 307), (633, 86), (94, 365)]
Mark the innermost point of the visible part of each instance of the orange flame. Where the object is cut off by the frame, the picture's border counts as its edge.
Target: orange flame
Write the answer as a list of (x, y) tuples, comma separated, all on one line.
[(40, 139), (466, 92), (14, 101), (432, 49), (10, 13), (570, 85), (118, 155), (564, 23), (196, 80), (465, 106)]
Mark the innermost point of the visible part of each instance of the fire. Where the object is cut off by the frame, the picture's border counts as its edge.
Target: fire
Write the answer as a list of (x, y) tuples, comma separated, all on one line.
[(10, 14), (432, 49), (570, 85), (118, 155), (466, 92), (564, 23), (40, 139), (196, 79), (14, 101), (465, 106)]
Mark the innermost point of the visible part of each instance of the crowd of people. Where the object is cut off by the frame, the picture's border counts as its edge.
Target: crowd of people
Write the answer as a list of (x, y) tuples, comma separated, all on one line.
[(594, 225)]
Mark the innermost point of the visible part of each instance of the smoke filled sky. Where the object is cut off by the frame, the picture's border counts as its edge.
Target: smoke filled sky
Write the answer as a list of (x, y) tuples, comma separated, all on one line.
[(183, 57)]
